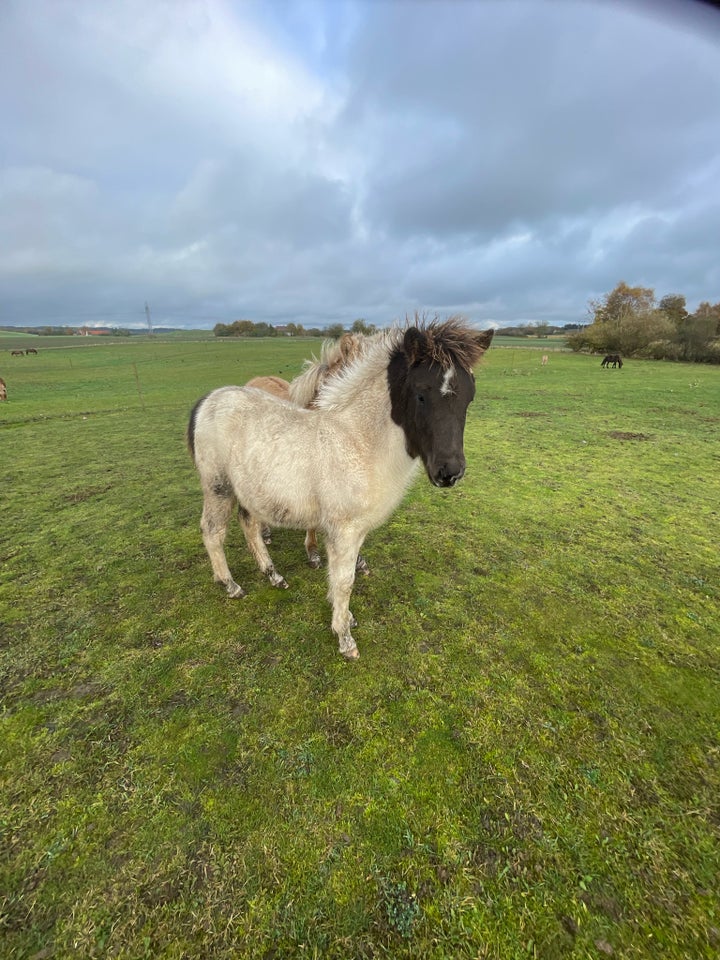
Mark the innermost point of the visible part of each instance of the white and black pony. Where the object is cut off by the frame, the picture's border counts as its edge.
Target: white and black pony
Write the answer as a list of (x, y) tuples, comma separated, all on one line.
[(343, 466)]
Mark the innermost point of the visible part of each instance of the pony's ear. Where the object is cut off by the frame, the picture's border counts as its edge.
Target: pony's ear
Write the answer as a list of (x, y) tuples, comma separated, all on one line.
[(414, 344), (483, 339)]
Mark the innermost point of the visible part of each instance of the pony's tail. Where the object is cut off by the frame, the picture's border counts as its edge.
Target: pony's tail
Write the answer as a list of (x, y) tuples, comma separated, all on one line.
[(190, 434)]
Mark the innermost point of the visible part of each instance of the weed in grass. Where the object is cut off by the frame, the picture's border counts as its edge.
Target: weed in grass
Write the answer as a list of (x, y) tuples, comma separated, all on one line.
[(399, 906)]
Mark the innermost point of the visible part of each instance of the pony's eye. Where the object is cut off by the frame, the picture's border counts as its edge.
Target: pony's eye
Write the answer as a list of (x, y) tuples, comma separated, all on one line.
[(421, 398)]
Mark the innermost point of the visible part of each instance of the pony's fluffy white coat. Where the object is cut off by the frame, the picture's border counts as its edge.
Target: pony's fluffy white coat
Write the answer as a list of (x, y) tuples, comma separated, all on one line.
[(341, 467)]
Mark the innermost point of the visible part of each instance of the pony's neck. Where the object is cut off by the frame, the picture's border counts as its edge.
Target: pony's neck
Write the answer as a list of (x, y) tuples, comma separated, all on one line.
[(362, 379)]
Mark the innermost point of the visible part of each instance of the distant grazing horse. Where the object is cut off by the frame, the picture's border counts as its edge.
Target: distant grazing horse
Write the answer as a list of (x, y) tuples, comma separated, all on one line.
[(3, 389), (17, 353), (544, 359), (343, 466), (334, 355), (30, 350), (612, 359)]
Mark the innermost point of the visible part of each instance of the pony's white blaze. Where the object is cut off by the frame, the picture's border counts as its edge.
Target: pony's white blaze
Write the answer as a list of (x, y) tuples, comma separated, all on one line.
[(342, 467), (447, 382)]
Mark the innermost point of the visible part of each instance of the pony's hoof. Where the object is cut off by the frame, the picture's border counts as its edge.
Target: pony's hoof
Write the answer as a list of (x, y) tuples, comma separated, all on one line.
[(314, 561), (280, 582), (266, 536), (353, 654), (235, 591), (361, 566)]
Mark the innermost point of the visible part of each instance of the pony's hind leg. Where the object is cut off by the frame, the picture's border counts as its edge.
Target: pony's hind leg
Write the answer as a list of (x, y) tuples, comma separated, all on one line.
[(252, 529), (312, 550), (218, 505)]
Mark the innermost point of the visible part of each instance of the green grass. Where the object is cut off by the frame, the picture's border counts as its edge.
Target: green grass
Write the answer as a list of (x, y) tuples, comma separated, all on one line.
[(524, 763)]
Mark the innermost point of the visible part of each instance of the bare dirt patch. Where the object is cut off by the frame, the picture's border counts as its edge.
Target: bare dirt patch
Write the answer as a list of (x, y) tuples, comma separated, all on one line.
[(623, 435)]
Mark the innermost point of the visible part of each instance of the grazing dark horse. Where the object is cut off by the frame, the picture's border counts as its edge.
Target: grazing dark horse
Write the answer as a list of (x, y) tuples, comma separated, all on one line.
[(343, 466), (31, 350), (612, 359), (17, 353), (3, 389)]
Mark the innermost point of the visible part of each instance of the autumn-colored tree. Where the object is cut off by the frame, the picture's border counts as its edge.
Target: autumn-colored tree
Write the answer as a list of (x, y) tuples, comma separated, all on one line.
[(625, 321), (630, 322), (622, 302)]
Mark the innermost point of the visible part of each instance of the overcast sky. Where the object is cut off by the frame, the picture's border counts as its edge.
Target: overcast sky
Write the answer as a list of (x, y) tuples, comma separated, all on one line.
[(319, 161)]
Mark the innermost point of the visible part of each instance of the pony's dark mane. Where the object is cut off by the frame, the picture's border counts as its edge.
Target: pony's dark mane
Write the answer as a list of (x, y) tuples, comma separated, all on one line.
[(449, 342)]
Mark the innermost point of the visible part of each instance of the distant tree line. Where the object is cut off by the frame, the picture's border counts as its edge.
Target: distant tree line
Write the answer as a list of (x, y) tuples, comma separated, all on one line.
[(44, 331), (630, 321), (55, 331), (535, 329), (246, 328)]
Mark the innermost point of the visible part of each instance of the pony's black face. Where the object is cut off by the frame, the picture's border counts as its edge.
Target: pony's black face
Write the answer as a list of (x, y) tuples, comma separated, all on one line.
[(429, 401)]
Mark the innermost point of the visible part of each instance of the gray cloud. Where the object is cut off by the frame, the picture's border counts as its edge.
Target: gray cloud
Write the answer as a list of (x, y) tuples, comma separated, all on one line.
[(325, 161)]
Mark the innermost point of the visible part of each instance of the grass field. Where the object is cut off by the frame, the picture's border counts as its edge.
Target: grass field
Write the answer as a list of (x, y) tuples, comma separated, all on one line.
[(524, 763)]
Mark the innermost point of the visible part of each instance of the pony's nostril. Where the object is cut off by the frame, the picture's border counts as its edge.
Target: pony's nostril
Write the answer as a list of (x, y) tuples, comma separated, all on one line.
[(448, 475)]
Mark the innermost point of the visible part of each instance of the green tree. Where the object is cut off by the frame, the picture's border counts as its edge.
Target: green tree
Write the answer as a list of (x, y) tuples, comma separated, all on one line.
[(366, 329), (262, 330), (674, 308), (699, 333), (335, 330)]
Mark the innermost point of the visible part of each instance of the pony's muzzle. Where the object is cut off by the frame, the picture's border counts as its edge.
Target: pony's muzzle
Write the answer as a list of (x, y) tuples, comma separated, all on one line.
[(448, 474)]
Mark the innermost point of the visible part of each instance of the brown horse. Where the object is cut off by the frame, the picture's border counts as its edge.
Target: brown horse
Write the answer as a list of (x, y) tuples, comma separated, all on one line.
[(274, 385), (30, 350), (17, 353)]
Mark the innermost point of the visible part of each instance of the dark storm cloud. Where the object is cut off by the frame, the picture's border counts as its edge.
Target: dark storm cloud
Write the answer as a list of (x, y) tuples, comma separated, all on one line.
[(323, 161)]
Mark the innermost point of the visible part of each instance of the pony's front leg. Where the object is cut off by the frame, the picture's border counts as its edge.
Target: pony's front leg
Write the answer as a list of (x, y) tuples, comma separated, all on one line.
[(217, 509), (342, 550), (252, 529)]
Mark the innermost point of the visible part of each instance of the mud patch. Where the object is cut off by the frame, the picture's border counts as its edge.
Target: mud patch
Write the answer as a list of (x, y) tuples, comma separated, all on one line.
[(81, 495), (623, 435)]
